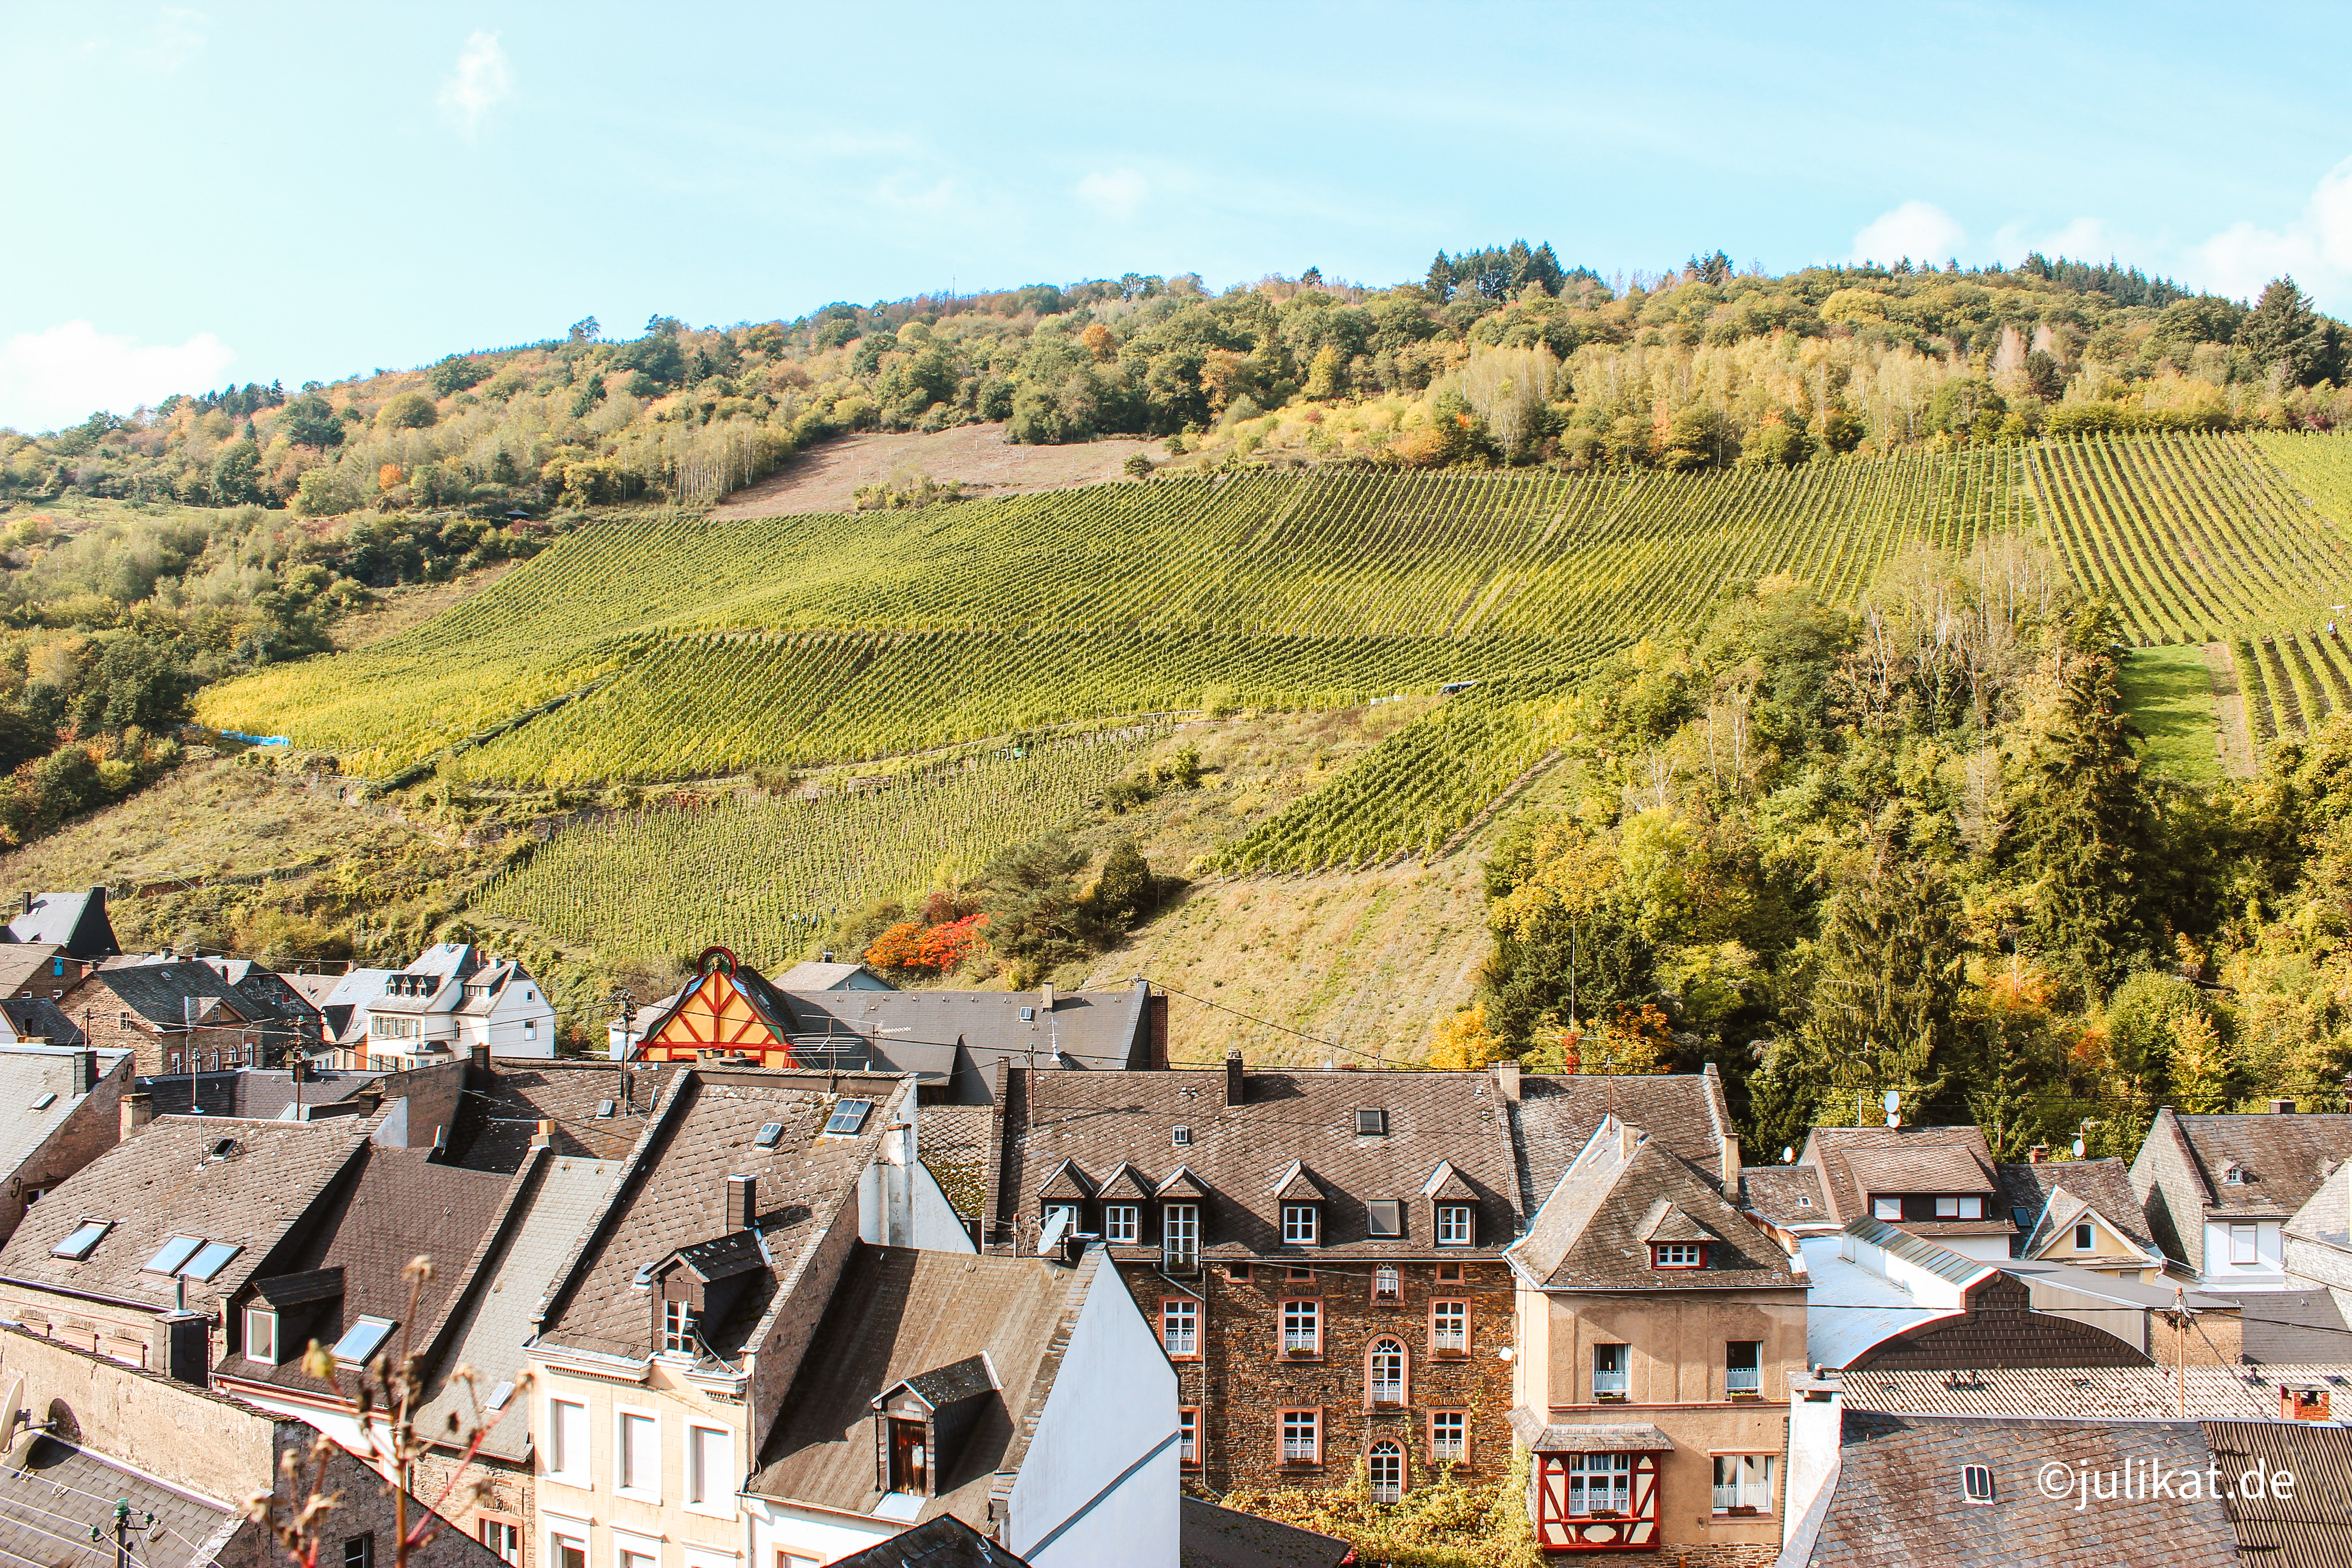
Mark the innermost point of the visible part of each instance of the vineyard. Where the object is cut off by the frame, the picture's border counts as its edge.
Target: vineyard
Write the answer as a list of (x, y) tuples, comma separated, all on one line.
[(773, 873), (2292, 680)]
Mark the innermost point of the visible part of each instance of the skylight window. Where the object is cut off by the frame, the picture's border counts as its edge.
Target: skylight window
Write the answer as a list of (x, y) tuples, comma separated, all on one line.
[(848, 1117), (44, 1102), (362, 1341), (498, 1396), (1372, 1123), (1182, 1137), (177, 1251), (81, 1238), (604, 1110), (770, 1134), (1976, 1483), (210, 1259)]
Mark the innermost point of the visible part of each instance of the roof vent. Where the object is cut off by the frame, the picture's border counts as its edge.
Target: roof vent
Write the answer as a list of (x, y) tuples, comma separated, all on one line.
[(2233, 1175), (44, 1102), (770, 1134), (1028, 1015)]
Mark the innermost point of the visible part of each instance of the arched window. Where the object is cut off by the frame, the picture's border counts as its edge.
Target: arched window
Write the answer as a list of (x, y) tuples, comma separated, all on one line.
[(1385, 1373), (1385, 1466)]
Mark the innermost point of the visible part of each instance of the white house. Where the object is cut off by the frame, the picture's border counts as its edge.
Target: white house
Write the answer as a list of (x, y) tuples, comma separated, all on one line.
[(454, 998)]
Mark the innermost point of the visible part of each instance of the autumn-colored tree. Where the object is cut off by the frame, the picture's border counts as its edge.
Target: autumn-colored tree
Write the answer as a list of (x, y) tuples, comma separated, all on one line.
[(1462, 1040), (387, 476), (1100, 342)]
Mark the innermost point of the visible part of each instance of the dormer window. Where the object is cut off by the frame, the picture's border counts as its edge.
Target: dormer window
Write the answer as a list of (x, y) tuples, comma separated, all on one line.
[(678, 1326), (1454, 1228), (2233, 1175), (1372, 1123), (1301, 1224), (1963, 1207), (1976, 1483), (1180, 1137), (261, 1335), (1677, 1255)]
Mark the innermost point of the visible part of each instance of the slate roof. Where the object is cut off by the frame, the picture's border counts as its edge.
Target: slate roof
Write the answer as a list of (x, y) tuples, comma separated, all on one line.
[(163, 1183), (1906, 1160), (401, 1207), (946, 1542), (956, 1148), (2091, 1393), (1594, 1233), (263, 1094), (2283, 1158), (1096, 1121), (2103, 1185), (486, 1331), (29, 1074), (156, 993), (808, 975), (1215, 1537), (1786, 1194), (26, 966), (897, 1313), (75, 921), (49, 1508), (2287, 1327), (959, 1037), (1591, 1437), (2310, 1528), (38, 1018), (495, 1125), (672, 1195), (1556, 1117), (1897, 1498)]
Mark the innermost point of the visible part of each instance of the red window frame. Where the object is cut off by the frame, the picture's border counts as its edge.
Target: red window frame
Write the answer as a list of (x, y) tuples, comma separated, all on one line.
[(1405, 1372), (1313, 1306), (1314, 1413), (1429, 1438), (1438, 1351), (1192, 1303), (1449, 1274), (1188, 1437), (1698, 1250)]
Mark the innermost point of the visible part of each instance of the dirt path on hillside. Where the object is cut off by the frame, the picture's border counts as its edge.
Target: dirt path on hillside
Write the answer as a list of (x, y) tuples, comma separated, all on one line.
[(826, 477), (2229, 706)]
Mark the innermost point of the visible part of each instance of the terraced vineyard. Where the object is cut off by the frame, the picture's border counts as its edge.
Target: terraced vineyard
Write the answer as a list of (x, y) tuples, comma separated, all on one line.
[(772, 874), (2292, 680)]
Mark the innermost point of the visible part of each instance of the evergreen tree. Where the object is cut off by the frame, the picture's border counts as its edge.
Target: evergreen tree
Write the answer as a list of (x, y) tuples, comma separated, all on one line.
[(2080, 825), (1882, 1014), (2284, 333)]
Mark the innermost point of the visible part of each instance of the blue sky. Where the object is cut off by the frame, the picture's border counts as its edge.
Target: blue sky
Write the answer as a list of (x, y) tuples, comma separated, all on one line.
[(201, 194)]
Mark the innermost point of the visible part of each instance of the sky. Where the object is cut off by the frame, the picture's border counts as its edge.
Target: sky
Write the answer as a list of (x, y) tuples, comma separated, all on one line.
[(201, 194)]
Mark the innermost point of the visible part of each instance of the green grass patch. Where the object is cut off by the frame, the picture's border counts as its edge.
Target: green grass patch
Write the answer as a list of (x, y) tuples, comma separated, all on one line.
[(2170, 697)]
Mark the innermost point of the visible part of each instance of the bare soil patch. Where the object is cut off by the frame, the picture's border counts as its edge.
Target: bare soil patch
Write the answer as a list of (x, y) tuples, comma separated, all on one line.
[(826, 477)]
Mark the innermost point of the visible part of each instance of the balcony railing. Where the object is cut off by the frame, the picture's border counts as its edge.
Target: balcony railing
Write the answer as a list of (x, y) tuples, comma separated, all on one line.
[(1450, 1342), (1730, 1496)]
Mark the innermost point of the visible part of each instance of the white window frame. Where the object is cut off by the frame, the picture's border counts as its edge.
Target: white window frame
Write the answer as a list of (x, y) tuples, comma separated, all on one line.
[(631, 1547), (256, 1315), (508, 1529), (1187, 1330), (1388, 1284), (1459, 1420), (1181, 1234), (1449, 1326), (1599, 1480), (1613, 1382), (623, 1452), (719, 1492), (1122, 1223), (564, 1466), (1455, 1228), (685, 1327), (561, 1531), (2086, 1238), (1385, 1492), (1679, 1255), (1889, 1210), (1288, 1423), (1301, 1320), (1301, 1224), (2252, 1252), (1188, 1437), (1751, 1482), (1743, 1379), (1045, 1219)]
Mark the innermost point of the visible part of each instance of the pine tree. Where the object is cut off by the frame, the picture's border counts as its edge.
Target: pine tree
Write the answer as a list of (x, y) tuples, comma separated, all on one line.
[(1882, 1011), (2080, 826), (2287, 334)]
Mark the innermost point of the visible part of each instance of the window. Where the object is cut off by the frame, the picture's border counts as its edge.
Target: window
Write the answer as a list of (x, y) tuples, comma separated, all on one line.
[(568, 1550), (1240, 1271), (1372, 1123), (636, 1454), (210, 1259), (80, 1240), (1180, 1137), (1180, 1326), (530, 1029), (1677, 1255), (2245, 1244), (1298, 1225), (567, 1441), (362, 1341), (1302, 1328), (1302, 1437), (2083, 1239), (1608, 1373), (771, 1133), (358, 1551), (1454, 1224), (1449, 1328), (677, 1326), (1449, 1274), (848, 1116), (1122, 1223), (1297, 1273), (1449, 1437), (711, 1470), (1385, 1373), (1743, 1483), (1384, 1467), (909, 1457), (635, 1557), (1976, 1483), (1600, 1483), (1960, 1208), (1188, 1436), (1385, 1216), (1386, 1286), (1179, 1234), (261, 1335), (1887, 1208), (502, 1536), (1743, 1370), (1059, 1221)]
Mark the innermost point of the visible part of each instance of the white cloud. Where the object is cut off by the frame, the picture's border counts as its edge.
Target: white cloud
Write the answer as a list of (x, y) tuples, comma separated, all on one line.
[(63, 375), (482, 79), (177, 37), (2315, 248), (1920, 230), (1115, 192)]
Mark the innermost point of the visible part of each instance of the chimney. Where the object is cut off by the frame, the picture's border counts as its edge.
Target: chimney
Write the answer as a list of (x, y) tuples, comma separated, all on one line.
[(29, 903), (1731, 1165), (2301, 1404), (1046, 990), (2037, 1155), (1236, 1079), (544, 1134), (1816, 1429), (743, 1202), (828, 956), (1628, 1136), (86, 1062), (138, 1110), (2281, 1108), (1506, 1077)]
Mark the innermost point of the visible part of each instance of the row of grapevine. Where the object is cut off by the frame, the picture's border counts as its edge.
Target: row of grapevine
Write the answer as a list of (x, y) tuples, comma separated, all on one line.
[(2292, 680), (771, 875)]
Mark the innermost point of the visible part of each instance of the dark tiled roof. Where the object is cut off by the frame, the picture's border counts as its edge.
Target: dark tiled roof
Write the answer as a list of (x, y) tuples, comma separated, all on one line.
[(956, 1150), (2284, 1158), (158, 993), (1590, 1234), (1237, 1154), (1924, 1155), (2311, 1527), (946, 1542), (1217, 1537), (263, 1094), (897, 1314), (1897, 1500), (961, 1035), (38, 1018), (2291, 1327), (49, 1509), (674, 1194), (1785, 1195), (496, 1125), (30, 1074), (2104, 1185), (1917, 1168), (75, 921), (161, 1184), (1557, 1116), (2088, 1393)]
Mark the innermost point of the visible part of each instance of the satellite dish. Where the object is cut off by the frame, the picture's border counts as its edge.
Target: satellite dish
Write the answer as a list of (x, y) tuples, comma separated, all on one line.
[(1894, 1103), (1787, 1153), (1057, 1225), (2078, 1148)]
